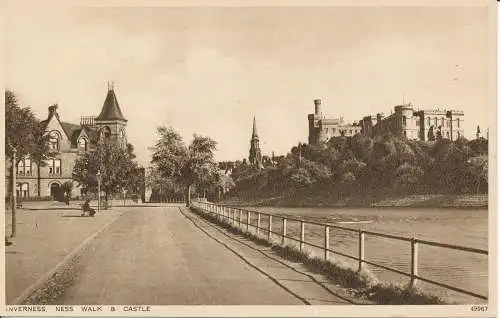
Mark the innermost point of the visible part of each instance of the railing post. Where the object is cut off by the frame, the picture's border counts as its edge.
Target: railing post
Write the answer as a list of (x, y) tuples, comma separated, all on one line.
[(270, 228), (283, 239), (258, 223), (327, 242), (302, 233), (361, 250), (414, 262), (234, 216), (248, 221), (239, 219)]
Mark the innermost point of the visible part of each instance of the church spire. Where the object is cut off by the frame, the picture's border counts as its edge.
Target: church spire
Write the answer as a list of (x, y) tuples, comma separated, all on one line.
[(254, 130), (255, 156)]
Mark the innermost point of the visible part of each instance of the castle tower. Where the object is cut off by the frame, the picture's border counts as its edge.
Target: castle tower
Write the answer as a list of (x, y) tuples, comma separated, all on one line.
[(110, 123), (255, 157), (315, 131)]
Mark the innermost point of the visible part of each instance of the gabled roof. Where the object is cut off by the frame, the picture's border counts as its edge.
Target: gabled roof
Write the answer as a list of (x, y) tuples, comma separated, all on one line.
[(111, 110)]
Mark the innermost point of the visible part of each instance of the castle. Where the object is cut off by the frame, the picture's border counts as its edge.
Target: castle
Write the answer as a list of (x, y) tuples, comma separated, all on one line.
[(405, 121), (66, 142), (321, 129)]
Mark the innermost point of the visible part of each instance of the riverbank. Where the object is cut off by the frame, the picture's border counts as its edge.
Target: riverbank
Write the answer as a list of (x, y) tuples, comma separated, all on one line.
[(373, 201)]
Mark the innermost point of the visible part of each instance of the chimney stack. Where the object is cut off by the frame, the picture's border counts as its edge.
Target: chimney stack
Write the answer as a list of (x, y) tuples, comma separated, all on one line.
[(317, 106), (53, 111)]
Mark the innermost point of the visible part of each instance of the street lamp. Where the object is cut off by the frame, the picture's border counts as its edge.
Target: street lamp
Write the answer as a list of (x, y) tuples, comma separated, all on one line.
[(98, 190)]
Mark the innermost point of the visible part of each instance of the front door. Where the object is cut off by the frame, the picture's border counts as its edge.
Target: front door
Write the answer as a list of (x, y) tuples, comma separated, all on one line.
[(54, 190)]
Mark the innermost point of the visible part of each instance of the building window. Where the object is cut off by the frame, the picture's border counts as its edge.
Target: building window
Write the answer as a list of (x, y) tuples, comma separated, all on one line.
[(82, 144), (428, 121), (418, 121), (448, 134), (404, 132), (54, 166), (54, 141), (404, 120), (435, 121), (24, 167), (442, 122), (458, 123), (22, 190)]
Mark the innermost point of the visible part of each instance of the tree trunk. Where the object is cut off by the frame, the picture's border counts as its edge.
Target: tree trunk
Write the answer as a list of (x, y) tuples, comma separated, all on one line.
[(188, 196), (14, 203)]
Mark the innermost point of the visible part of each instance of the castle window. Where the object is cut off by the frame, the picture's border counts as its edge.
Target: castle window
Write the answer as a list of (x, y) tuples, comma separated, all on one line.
[(404, 120), (24, 167)]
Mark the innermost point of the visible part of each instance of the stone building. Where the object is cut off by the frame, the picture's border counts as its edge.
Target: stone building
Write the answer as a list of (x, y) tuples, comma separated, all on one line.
[(66, 142), (255, 156), (410, 123), (321, 129)]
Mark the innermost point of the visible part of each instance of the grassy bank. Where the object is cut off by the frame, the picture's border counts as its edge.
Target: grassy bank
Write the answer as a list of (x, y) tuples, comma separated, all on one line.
[(319, 199), (360, 285)]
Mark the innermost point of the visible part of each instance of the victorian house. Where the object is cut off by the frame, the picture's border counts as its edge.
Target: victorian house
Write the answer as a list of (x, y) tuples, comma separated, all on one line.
[(66, 142)]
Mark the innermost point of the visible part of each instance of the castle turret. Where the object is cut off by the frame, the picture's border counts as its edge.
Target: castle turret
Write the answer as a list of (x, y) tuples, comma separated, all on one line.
[(315, 131), (317, 107)]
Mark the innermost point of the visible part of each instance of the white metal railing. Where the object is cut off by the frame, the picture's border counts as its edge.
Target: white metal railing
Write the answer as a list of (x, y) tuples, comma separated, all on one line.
[(234, 216)]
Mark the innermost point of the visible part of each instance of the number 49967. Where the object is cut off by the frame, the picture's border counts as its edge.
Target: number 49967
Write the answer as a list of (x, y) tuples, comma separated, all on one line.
[(479, 308)]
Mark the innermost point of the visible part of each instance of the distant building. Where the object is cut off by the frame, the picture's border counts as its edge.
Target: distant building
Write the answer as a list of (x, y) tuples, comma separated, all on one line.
[(66, 142), (255, 156), (321, 129), (409, 123)]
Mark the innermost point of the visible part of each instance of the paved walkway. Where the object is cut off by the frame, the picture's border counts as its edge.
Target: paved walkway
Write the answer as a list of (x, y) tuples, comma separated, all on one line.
[(159, 256), (43, 239)]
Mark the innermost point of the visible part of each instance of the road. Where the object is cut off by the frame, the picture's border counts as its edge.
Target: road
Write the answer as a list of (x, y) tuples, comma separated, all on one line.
[(163, 256)]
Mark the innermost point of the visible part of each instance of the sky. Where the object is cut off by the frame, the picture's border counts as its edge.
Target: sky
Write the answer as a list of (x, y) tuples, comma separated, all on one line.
[(209, 70)]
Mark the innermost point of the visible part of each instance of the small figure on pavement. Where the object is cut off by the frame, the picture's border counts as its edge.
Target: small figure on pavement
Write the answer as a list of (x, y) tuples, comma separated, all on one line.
[(86, 208)]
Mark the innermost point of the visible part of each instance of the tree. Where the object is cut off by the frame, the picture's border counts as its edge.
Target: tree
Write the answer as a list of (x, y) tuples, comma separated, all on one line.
[(478, 168), (67, 188), (114, 164), (189, 166), (24, 133)]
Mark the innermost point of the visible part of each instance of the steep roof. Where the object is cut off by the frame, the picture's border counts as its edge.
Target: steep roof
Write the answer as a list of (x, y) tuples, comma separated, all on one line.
[(110, 109)]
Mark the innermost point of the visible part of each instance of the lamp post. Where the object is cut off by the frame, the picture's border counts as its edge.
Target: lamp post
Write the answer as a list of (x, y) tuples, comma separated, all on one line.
[(98, 190)]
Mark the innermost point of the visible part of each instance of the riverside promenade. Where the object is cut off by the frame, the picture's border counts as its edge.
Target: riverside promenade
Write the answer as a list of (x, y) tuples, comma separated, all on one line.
[(158, 255)]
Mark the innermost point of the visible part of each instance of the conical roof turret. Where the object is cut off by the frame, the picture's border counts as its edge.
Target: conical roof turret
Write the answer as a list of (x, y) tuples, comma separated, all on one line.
[(110, 109)]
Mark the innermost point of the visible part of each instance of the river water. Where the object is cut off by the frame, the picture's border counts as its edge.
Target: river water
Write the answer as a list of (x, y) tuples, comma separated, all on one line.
[(465, 227)]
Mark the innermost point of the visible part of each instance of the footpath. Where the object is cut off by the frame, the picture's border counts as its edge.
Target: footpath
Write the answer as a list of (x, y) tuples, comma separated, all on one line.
[(46, 234)]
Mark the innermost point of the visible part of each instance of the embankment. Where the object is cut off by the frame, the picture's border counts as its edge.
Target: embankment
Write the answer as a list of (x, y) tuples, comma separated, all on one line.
[(374, 200)]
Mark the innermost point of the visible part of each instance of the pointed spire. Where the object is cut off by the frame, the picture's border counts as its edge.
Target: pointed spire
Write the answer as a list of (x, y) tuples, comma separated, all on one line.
[(110, 109), (254, 131)]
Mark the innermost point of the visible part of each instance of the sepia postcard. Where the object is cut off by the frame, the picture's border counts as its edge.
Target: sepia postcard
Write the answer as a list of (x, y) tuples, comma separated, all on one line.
[(217, 158)]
